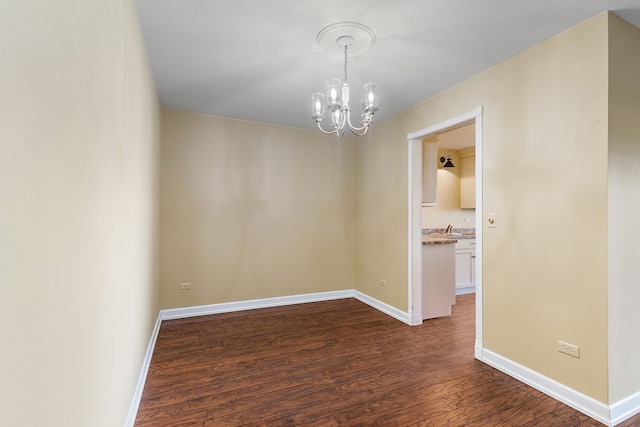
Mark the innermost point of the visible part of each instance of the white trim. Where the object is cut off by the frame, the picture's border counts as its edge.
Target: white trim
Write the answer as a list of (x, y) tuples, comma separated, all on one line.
[(383, 307), (463, 290), (479, 224), (410, 297), (478, 350), (228, 307), (415, 231), (625, 408), (579, 401), (447, 124), (142, 378)]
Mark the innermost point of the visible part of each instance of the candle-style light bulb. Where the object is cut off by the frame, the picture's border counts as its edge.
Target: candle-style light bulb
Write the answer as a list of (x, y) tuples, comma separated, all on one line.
[(317, 106), (334, 93), (371, 98)]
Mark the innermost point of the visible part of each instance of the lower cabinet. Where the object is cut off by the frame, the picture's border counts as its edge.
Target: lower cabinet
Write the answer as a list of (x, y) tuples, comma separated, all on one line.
[(438, 281), (465, 266)]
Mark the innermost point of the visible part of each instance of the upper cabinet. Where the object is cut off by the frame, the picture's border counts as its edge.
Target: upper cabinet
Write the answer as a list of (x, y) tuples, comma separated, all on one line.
[(429, 172), (468, 178)]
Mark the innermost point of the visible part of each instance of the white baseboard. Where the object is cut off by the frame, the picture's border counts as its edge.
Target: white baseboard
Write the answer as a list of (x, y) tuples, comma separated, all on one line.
[(228, 307), (579, 401), (478, 350), (402, 316), (463, 290), (625, 408), (142, 378), (202, 310)]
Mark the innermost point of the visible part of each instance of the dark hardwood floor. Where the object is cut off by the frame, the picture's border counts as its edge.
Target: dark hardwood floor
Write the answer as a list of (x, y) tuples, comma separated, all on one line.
[(335, 363)]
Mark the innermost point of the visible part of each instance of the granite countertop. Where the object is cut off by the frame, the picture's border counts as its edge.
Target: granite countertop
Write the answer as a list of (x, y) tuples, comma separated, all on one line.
[(426, 240), (436, 236)]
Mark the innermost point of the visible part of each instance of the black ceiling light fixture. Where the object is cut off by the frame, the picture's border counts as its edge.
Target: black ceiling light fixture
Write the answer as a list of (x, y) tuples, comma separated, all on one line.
[(447, 162)]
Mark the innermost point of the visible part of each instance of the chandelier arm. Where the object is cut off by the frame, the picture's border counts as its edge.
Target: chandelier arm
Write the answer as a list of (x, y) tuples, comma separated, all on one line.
[(344, 119), (339, 126), (360, 133), (355, 129), (326, 131)]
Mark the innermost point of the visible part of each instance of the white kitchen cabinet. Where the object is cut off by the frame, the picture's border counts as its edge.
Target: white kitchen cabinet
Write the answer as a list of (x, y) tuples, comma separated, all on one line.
[(465, 266), (438, 280), (429, 173), (468, 178)]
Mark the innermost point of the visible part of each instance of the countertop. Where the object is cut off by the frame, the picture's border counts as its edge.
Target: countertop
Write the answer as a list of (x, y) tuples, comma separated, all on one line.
[(437, 241), (444, 239)]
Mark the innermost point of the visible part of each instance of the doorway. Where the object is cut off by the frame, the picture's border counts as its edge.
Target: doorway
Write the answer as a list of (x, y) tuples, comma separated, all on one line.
[(414, 140)]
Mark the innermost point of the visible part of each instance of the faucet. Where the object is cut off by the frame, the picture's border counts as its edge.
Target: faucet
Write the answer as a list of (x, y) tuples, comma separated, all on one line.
[(448, 230)]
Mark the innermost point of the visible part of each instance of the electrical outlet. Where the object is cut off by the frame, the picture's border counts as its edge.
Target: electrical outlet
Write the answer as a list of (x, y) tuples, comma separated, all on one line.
[(570, 349), (383, 282), (185, 286)]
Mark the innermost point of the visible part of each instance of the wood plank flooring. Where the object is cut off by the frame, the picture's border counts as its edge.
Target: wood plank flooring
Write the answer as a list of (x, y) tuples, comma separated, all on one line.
[(335, 363)]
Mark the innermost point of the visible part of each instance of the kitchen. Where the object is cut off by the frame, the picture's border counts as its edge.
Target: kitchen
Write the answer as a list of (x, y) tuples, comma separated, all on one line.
[(448, 219)]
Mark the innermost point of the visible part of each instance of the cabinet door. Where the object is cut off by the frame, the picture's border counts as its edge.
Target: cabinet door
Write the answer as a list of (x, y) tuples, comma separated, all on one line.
[(464, 267), (438, 280)]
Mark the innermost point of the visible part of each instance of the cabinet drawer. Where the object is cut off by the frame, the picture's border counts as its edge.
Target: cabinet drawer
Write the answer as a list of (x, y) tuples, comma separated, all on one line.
[(466, 244)]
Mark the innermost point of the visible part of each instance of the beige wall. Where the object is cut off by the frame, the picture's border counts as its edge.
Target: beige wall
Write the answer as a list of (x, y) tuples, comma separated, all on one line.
[(78, 150), (624, 209), (545, 176), (381, 214), (252, 210)]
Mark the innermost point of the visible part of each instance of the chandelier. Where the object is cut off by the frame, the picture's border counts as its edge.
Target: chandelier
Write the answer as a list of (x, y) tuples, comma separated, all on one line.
[(348, 39)]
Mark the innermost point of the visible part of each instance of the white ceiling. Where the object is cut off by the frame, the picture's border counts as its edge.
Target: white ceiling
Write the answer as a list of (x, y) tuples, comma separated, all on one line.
[(258, 60)]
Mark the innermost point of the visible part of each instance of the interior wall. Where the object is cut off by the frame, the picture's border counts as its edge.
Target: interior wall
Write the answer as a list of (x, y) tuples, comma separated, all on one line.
[(545, 265), (78, 155), (624, 208), (447, 209), (251, 210), (381, 213)]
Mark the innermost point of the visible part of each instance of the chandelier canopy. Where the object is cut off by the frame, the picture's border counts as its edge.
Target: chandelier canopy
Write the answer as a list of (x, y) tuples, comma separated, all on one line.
[(348, 39)]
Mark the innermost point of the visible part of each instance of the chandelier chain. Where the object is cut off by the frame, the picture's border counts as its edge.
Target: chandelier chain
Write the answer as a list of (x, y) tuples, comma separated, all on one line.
[(345, 63)]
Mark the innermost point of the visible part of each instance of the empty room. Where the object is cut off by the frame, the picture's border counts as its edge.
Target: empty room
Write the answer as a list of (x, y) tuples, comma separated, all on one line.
[(270, 213)]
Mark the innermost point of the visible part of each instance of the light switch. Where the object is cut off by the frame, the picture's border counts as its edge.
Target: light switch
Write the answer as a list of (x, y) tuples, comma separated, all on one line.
[(491, 218)]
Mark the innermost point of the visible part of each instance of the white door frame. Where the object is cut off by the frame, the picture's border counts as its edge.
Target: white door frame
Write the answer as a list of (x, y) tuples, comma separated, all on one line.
[(415, 216)]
